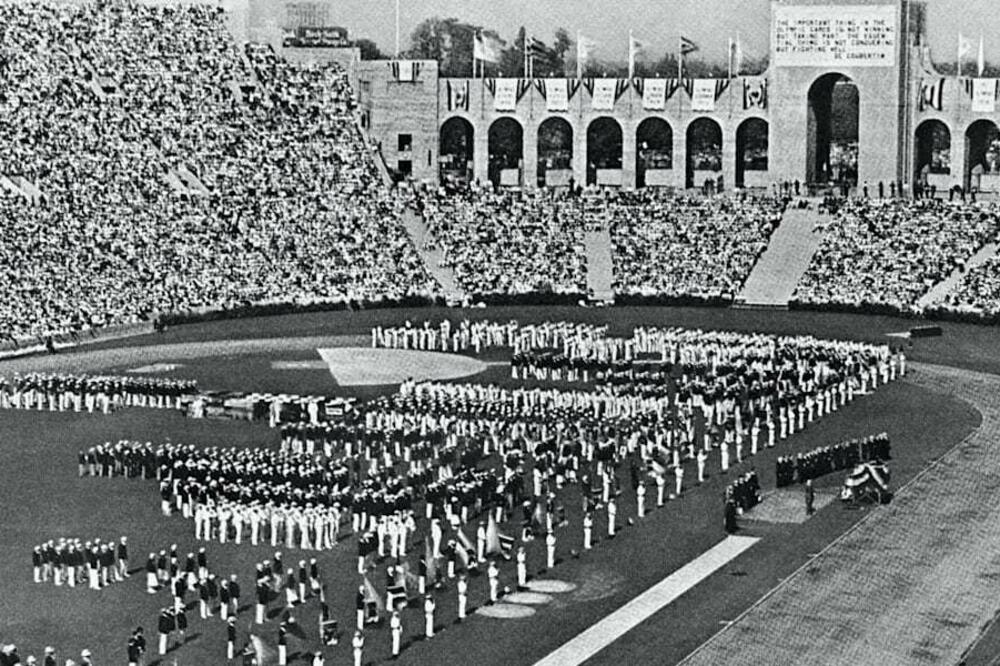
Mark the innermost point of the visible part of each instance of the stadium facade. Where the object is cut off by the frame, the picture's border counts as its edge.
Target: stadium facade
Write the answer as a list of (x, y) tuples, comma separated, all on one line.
[(850, 97)]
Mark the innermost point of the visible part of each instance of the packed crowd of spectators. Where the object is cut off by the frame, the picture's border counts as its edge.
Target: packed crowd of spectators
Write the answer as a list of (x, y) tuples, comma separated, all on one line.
[(105, 104), (978, 291), (508, 242), (890, 252), (683, 246)]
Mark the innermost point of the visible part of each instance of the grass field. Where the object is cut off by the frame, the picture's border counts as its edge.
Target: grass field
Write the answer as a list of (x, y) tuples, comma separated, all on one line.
[(41, 498)]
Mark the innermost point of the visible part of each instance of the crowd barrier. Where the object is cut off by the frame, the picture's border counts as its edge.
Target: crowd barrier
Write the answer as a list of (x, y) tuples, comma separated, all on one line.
[(882, 309)]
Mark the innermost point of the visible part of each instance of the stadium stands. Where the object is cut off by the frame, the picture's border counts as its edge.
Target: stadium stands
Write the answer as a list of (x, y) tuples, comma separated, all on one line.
[(279, 199)]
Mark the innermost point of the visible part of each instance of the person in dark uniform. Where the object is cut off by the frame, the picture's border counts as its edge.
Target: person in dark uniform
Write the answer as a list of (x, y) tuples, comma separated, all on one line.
[(181, 621), (810, 498), (231, 638), (730, 517), (165, 626)]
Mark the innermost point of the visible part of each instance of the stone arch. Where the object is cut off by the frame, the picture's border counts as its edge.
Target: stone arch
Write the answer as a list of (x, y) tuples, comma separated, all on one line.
[(555, 151), (457, 151), (704, 152), (605, 147), (834, 104), (505, 147), (752, 144), (654, 141)]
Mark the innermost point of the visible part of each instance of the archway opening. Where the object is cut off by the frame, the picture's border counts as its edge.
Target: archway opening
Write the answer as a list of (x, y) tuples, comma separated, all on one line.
[(704, 154), (834, 111), (457, 150), (506, 152), (604, 151), (751, 152), (982, 151), (555, 153), (654, 140)]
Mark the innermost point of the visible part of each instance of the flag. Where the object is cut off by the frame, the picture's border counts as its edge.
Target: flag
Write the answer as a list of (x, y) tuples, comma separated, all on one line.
[(485, 48), (981, 61), (430, 562), (584, 47), (687, 46), (263, 653), (496, 543), (964, 49), (932, 94), (735, 52), (536, 47), (634, 48), (372, 596)]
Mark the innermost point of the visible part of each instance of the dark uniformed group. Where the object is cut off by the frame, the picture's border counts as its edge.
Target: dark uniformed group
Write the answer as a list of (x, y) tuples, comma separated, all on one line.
[(91, 564), (743, 493), (828, 459)]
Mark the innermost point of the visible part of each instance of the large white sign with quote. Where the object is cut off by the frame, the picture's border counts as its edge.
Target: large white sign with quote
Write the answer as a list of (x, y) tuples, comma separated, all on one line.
[(834, 36)]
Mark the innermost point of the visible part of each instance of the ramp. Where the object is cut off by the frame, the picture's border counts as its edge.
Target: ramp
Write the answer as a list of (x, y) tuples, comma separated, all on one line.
[(432, 257), (940, 291), (600, 265), (793, 244)]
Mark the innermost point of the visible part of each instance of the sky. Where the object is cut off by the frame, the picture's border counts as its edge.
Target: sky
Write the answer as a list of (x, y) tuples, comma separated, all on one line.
[(657, 23)]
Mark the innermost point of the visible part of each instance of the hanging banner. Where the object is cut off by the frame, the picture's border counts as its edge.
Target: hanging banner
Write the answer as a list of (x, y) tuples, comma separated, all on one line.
[(654, 94), (603, 95), (984, 95), (703, 95), (557, 98), (458, 95), (505, 97), (754, 92), (932, 94)]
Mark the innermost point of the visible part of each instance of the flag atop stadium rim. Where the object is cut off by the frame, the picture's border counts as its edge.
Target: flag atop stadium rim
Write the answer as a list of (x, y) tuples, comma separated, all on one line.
[(687, 46), (486, 48)]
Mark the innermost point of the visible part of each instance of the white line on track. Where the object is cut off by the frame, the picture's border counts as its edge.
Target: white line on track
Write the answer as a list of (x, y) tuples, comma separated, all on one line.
[(594, 639)]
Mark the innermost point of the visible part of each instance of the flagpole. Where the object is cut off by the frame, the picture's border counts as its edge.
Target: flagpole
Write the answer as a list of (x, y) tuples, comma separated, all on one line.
[(579, 63), (397, 28), (631, 56), (959, 54)]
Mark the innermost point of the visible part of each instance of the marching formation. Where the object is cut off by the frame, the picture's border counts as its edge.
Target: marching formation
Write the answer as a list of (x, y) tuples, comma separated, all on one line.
[(429, 479)]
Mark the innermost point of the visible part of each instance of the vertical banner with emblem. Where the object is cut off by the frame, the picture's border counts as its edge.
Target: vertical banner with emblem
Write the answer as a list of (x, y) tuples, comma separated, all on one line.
[(458, 95), (754, 93)]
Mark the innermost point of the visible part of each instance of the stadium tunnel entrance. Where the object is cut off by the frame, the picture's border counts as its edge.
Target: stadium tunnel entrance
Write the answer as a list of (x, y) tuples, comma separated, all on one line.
[(932, 152), (751, 151), (457, 150), (555, 153), (832, 130), (982, 151), (704, 154), (654, 156), (506, 152), (605, 145)]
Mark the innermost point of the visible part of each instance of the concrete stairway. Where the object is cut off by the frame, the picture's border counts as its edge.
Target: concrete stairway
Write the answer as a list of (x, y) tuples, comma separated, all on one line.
[(600, 265), (432, 258), (941, 290), (773, 279)]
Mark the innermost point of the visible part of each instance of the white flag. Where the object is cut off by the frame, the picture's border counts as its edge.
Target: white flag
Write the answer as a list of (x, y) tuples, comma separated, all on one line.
[(486, 49)]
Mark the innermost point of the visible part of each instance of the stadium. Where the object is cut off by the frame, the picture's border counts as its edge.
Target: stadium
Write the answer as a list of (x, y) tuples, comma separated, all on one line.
[(310, 355)]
